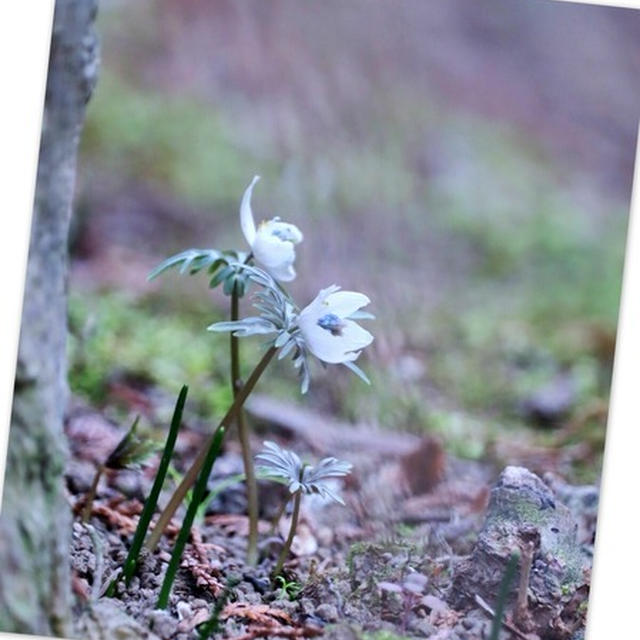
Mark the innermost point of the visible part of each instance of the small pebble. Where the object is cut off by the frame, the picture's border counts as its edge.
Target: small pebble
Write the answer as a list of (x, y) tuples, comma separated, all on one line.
[(422, 627), (162, 624), (199, 603), (307, 606), (327, 612), (261, 585), (253, 598), (183, 610)]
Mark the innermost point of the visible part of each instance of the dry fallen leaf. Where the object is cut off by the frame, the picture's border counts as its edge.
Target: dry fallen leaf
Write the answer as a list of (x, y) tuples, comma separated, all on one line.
[(260, 613)]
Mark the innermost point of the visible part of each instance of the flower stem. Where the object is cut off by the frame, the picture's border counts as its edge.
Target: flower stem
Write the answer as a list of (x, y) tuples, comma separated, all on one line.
[(292, 532), (86, 512), (192, 473), (274, 522), (243, 435)]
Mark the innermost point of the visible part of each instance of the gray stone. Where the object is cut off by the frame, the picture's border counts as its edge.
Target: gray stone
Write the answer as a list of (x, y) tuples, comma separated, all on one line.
[(163, 624), (327, 612), (105, 620), (523, 510)]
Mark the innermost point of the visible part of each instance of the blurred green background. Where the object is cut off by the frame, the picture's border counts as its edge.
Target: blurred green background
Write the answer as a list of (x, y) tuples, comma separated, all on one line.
[(466, 164)]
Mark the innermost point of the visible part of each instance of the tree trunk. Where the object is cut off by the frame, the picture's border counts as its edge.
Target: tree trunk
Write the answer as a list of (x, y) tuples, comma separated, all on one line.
[(35, 526)]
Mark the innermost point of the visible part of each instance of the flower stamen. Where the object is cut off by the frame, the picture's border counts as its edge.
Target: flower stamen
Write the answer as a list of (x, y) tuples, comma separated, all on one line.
[(332, 323)]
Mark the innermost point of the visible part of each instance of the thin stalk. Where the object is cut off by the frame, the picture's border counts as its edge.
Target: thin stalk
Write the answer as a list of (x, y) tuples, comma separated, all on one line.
[(274, 522), (292, 532), (503, 595), (522, 610), (86, 512), (192, 473), (150, 504), (243, 435), (198, 494)]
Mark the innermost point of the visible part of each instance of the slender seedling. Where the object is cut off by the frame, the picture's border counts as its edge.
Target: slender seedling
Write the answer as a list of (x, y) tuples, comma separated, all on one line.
[(192, 473), (131, 561), (91, 496), (129, 453), (198, 494)]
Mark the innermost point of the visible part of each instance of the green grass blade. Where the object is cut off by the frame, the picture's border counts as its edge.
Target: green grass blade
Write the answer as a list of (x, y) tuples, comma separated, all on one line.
[(131, 562), (198, 494), (503, 595), (212, 625)]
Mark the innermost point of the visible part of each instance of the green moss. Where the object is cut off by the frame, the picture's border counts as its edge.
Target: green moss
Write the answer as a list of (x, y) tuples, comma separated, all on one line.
[(113, 335), (178, 143)]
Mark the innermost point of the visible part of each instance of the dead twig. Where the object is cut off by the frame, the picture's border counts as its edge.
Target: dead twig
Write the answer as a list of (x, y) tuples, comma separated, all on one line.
[(505, 623), (521, 615)]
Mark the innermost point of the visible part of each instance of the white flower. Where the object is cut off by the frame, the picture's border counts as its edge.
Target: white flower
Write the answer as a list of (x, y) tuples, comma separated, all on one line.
[(328, 327), (282, 464), (273, 242)]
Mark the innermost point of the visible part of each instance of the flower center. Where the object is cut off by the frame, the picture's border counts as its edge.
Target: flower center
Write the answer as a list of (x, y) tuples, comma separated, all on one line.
[(330, 322), (283, 234)]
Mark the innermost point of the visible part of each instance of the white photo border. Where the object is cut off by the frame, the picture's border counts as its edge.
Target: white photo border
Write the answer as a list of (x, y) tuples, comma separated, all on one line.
[(25, 29)]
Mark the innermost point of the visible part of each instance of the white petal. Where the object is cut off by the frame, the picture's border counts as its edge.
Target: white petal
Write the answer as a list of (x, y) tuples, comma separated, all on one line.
[(275, 255), (284, 273), (357, 337), (317, 307), (283, 230), (344, 303), (246, 215), (331, 348)]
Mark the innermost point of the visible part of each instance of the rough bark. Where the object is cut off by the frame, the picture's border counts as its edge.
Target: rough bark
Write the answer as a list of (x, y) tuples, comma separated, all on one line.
[(35, 525)]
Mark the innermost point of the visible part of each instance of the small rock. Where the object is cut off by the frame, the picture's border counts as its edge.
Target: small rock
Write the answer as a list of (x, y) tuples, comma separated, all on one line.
[(163, 624), (105, 620), (261, 585), (183, 609), (435, 604), (304, 542), (199, 603), (79, 475), (552, 402), (415, 583), (307, 606), (253, 598), (129, 483), (421, 627), (285, 605), (327, 612)]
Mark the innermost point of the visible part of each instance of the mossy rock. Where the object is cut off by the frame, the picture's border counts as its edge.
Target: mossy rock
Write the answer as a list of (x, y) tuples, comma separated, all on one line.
[(523, 510)]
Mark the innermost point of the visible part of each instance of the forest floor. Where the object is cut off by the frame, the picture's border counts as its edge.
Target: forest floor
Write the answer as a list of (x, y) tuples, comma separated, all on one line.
[(493, 260), (414, 554)]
